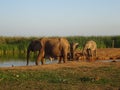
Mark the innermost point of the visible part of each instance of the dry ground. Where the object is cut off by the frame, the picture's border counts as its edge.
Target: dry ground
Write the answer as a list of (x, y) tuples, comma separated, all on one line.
[(108, 53)]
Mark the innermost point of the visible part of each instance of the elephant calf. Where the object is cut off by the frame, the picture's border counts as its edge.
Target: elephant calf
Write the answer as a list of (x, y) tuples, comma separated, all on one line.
[(90, 49)]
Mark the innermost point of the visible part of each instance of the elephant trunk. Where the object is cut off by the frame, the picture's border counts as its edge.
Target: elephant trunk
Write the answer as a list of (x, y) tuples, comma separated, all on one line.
[(72, 53), (28, 55), (74, 46)]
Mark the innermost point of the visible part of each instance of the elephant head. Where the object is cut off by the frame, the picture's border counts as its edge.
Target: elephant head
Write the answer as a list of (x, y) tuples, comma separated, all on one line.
[(33, 46), (52, 47)]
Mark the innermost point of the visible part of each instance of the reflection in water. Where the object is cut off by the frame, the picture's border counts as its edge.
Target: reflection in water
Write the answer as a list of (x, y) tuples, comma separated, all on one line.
[(22, 62), (19, 62), (12, 62)]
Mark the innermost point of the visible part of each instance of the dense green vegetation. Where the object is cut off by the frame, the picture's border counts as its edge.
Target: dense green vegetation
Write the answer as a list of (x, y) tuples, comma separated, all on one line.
[(66, 78), (102, 41), (11, 45)]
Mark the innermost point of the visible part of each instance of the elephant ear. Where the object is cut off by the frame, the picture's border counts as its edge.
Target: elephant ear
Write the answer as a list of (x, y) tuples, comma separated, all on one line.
[(76, 45), (36, 45)]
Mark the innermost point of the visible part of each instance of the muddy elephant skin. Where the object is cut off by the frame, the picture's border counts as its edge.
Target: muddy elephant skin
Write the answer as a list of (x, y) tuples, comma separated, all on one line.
[(50, 47)]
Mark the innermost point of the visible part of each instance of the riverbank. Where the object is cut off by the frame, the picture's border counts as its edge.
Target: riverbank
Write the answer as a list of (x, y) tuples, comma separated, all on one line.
[(73, 75), (71, 64)]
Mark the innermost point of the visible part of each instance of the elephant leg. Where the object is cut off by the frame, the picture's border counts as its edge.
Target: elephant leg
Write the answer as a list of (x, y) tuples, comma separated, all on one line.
[(40, 57), (65, 58), (37, 60), (60, 58), (88, 54), (91, 54), (42, 60), (37, 63)]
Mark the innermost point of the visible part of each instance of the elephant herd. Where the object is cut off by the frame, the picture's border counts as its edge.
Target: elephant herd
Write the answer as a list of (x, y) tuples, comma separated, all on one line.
[(58, 48)]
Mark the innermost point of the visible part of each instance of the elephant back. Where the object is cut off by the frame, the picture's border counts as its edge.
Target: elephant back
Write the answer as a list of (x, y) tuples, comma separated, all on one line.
[(90, 45), (64, 43)]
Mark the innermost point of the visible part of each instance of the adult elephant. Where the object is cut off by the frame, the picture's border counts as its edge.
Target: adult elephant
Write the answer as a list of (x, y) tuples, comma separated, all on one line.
[(49, 47), (90, 49)]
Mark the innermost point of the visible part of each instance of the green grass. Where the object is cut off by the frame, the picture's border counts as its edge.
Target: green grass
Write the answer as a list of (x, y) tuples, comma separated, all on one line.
[(81, 78), (17, 44)]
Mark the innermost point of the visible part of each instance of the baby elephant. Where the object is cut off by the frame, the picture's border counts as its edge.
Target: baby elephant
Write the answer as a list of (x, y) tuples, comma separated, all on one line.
[(90, 50)]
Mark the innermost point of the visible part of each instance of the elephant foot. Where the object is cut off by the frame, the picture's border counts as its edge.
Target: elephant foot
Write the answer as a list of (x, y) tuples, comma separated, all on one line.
[(59, 61), (64, 61), (42, 62), (36, 63)]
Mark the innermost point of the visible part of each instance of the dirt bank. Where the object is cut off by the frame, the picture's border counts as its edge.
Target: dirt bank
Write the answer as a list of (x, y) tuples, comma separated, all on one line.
[(108, 53)]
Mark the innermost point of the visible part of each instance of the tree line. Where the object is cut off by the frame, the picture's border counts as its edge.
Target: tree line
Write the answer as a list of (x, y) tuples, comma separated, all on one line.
[(20, 44)]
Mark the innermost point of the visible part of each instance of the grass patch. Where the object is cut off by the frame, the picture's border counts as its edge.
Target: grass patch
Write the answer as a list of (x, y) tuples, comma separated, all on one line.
[(61, 79)]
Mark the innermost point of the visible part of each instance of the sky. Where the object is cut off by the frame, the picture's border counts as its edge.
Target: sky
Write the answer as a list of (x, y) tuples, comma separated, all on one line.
[(59, 17)]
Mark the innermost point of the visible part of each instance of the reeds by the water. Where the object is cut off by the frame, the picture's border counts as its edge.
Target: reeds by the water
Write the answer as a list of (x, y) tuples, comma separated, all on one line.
[(11, 45)]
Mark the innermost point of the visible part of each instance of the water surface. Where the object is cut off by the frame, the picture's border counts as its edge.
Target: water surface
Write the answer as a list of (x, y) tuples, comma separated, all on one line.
[(22, 62)]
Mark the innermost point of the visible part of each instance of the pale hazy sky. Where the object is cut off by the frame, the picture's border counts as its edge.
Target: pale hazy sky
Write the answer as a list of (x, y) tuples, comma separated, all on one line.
[(59, 17)]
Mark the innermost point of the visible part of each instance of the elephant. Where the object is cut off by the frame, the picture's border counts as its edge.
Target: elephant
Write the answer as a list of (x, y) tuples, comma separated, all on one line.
[(49, 47), (90, 49), (73, 47)]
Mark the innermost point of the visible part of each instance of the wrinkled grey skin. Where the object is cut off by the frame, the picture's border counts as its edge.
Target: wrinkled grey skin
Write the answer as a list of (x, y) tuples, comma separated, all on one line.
[(90, 49), (49, 47)]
